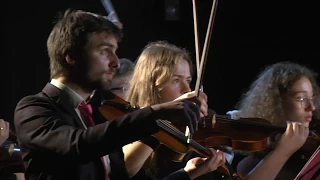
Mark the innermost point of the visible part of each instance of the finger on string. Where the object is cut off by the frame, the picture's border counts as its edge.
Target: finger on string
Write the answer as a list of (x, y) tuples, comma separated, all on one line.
[(296, 127), (223, 160), (218, 159), (204, 111), (212, 154), (210, 151), (289, 129), (204, 96)]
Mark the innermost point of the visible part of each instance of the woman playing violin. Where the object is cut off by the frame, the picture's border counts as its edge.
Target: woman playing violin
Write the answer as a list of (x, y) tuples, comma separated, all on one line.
[(283, 92), (162, 74)]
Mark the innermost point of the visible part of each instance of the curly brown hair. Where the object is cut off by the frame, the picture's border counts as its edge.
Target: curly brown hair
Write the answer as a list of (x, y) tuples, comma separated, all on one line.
[(263, 100)]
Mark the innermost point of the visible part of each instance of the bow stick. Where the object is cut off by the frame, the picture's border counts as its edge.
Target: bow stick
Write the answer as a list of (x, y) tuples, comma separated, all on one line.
[(112, 15), (200, 65)]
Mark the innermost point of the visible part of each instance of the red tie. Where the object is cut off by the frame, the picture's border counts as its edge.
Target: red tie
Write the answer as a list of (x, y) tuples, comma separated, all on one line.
[(86, 114)]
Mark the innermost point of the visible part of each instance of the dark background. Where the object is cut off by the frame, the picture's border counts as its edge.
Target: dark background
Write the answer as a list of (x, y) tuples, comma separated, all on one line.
[(247, 35)]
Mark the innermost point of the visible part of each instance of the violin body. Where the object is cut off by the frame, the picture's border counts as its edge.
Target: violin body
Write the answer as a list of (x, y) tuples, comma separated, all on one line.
[(246, 134)]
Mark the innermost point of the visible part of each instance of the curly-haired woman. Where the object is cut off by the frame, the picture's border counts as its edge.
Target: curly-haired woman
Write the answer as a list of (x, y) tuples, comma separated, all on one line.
[(283, 92)]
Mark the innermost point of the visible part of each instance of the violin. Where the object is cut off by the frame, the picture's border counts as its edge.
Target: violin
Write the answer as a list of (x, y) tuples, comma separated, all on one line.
[(244, 134), (176, 142)]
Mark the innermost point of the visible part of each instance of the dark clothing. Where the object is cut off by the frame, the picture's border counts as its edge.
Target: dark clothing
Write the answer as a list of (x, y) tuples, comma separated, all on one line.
[(56, 146), (164, 166), (177, 175), (289, 171)]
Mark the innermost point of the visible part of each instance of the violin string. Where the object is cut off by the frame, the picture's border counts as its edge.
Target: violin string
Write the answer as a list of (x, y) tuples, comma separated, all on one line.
[(257, 124), (184, 138), (181, 136), (170, 129), (222, 116)]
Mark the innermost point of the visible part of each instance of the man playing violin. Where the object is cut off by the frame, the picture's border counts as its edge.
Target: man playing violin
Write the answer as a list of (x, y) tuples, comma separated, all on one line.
[(56, 133)]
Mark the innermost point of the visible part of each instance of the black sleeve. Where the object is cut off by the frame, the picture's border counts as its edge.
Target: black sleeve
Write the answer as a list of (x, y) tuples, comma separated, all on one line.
[(118, 166), (178, 175), (43, 130)]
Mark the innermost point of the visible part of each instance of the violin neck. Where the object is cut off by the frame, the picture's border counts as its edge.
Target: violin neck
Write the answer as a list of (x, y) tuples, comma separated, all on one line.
[(178, 135)]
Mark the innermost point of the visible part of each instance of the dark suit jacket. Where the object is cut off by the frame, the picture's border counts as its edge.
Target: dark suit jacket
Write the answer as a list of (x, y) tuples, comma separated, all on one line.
[(55, 145)]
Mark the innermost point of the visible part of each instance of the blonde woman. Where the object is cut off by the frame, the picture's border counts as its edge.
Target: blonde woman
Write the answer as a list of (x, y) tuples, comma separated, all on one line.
[(163, 73)]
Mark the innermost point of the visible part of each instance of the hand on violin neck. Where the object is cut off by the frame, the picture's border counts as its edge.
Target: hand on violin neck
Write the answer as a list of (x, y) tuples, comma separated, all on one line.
[(179, 112), (201, 101), (293, 139), (198, 166)]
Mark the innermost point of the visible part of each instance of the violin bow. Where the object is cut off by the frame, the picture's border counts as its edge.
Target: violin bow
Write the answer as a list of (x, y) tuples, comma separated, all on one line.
[(205, 50), (112, 15), (200, 64)]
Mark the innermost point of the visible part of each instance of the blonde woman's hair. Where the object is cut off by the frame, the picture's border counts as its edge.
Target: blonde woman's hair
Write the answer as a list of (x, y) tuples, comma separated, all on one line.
[(154, 67)]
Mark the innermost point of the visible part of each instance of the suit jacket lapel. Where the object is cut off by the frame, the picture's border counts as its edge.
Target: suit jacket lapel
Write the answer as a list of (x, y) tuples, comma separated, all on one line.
[(62, 99)]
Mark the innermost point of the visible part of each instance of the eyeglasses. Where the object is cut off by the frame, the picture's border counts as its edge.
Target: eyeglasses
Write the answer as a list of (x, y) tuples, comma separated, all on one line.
[(306, 101), (123, 89)]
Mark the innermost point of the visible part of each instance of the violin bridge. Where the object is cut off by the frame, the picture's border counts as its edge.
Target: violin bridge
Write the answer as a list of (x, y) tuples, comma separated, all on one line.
[(213, 120), (11, 149)]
